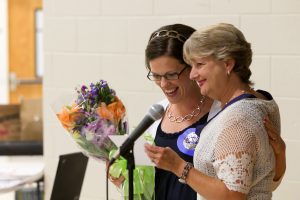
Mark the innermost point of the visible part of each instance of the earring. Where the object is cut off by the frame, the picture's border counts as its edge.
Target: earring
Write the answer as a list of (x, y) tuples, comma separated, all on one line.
[(228, 73)]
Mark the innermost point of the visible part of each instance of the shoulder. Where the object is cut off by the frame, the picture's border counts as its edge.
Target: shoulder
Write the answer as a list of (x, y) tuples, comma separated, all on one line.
[(246, 115), (252, 107)]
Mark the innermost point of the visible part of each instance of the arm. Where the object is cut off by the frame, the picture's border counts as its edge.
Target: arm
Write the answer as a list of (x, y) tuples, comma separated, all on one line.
[(279, 147), (167, 159)]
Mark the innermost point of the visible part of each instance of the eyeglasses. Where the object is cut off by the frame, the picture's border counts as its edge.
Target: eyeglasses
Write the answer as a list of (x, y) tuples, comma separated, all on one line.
[(168, 76)]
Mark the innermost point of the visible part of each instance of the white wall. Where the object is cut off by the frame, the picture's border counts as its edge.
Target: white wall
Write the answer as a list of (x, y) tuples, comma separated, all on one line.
[(3, 53), (105, 39)]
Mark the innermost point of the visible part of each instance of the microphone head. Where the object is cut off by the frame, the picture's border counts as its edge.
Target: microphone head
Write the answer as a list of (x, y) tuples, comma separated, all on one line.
[(156, 111)]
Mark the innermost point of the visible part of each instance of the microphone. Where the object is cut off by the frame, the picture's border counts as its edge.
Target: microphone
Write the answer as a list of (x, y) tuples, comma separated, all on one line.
[(155, 112)]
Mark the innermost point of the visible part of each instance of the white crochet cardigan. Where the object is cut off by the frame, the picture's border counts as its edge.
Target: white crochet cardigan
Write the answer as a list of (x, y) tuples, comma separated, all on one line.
[(216, 107), (234, 148)]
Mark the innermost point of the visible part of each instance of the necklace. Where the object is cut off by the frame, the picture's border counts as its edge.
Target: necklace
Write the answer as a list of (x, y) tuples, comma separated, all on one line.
[(187, 117)]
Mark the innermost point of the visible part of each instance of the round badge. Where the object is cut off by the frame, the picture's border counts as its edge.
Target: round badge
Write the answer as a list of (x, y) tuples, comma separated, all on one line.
[(187, 141)]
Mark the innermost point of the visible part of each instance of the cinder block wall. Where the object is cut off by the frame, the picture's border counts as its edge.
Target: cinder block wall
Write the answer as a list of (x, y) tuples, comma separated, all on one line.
[(88, 40)]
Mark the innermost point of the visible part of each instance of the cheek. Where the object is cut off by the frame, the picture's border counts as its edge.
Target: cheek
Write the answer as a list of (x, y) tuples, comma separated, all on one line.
[(211, 79), (218, 81)]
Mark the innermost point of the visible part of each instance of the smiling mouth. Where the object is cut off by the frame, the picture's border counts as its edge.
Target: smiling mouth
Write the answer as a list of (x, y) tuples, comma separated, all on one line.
[(200, 83), (170, 92)]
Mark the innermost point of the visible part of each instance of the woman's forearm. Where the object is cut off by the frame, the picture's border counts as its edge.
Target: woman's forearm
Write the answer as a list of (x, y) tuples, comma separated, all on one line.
[(211, 188)]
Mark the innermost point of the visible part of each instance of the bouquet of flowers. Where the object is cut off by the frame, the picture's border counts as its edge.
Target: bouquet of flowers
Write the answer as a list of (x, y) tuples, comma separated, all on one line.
[(95, 114)]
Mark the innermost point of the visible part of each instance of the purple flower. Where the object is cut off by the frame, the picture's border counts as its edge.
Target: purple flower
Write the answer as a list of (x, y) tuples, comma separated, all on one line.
[(93, 129)]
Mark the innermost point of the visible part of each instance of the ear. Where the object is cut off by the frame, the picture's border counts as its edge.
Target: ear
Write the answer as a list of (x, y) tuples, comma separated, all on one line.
[(229, 65)]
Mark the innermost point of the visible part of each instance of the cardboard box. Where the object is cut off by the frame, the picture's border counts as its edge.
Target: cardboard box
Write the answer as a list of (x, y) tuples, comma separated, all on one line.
[(31, 120), (10, 124)]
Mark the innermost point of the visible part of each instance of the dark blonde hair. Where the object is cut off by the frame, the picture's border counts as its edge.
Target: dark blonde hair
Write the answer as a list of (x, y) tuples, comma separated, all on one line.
[(221, 41)]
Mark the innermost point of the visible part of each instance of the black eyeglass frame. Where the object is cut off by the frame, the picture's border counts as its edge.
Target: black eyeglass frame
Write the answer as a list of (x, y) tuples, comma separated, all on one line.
[(167, 76)]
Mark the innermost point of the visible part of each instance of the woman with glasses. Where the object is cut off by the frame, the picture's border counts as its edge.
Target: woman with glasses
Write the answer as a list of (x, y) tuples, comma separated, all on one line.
[(185, 107), (224, 174)]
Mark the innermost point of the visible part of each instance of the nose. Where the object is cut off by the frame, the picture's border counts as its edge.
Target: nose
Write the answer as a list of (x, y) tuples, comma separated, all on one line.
[(193, 73), (163, 81)]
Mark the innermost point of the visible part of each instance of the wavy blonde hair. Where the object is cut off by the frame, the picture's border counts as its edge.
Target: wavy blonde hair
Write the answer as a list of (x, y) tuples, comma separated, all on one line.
[(221, 41)]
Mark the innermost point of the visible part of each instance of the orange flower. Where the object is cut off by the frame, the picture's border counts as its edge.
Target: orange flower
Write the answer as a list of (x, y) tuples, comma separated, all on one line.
[(68, 116), (103, 112), (114, 111)]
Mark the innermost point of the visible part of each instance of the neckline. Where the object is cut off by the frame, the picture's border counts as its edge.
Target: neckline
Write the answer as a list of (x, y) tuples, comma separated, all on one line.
[(232, 101), (240, 97)]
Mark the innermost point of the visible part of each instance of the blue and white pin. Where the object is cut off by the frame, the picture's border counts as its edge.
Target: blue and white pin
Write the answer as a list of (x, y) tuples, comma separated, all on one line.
[(187, 141)]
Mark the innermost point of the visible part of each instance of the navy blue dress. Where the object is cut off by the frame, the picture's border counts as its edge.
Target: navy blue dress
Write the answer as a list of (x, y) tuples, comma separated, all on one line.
[(167, 186)]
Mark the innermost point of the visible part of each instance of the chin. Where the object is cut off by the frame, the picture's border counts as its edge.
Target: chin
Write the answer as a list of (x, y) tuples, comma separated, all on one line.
[(203, 92), (171, 100), (175, 100)]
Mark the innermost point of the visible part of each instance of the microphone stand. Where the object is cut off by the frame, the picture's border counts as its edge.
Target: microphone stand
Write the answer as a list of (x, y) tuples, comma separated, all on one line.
[(129, 156)]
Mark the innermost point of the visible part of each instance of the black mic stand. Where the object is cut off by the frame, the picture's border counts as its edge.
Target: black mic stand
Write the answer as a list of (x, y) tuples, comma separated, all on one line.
[(129, 156)]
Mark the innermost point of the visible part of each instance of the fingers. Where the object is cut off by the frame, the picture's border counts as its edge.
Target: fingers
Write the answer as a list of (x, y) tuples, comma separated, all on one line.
[(152, 148), (116, 181), (158, 155), (275, 139), (153, 152), (273, 135), (150, 152), (152, 156)]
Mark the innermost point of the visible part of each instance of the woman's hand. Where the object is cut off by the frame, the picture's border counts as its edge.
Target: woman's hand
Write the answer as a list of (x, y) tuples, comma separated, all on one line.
[(278, 146), (165, 158), (275, 139), (116, 181)]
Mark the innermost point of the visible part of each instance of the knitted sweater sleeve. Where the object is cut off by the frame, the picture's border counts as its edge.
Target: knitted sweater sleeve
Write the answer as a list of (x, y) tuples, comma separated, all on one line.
[(236, 150)]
